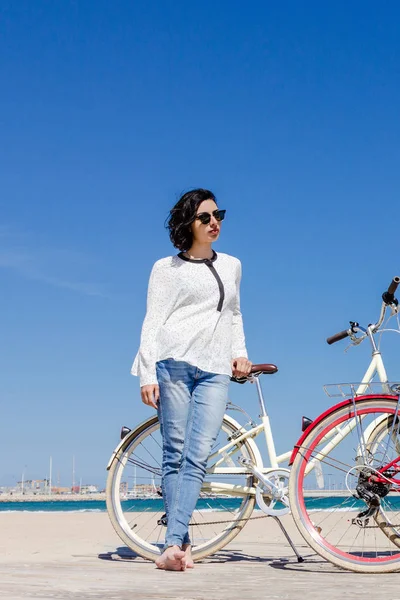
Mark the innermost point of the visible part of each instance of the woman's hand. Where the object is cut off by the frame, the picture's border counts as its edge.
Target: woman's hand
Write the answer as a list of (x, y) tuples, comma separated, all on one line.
[(241, 367), (150, 394)]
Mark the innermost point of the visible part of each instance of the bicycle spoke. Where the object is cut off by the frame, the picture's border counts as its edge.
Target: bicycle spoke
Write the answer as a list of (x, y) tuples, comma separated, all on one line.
[(346, 509), (137, 509)]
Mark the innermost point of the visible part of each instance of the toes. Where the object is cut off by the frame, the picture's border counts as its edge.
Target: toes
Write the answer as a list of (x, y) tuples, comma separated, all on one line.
[(171, 562)]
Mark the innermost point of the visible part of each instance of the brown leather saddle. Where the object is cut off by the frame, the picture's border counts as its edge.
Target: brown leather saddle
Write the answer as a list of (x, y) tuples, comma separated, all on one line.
[(256, 371)]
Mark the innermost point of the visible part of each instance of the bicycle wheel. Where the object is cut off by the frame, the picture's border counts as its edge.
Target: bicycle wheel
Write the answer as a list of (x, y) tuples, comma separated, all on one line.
[(134, 496), (340, 511), (380, 432)]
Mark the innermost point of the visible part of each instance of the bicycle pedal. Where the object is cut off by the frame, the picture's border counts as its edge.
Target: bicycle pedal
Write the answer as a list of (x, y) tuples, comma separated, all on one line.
[(360, 522), (163, 520)]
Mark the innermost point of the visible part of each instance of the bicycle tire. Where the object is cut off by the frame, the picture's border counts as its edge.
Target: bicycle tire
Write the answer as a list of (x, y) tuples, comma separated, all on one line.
[(374, 445), (339, 540), (150, 550)]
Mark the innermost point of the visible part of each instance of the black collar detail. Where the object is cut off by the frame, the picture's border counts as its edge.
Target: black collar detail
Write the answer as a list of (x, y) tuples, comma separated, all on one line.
[(209, 263), (201, 261)]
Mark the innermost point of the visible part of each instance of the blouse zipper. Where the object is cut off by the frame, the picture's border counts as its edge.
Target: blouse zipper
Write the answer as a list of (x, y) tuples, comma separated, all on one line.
[(220, 284)]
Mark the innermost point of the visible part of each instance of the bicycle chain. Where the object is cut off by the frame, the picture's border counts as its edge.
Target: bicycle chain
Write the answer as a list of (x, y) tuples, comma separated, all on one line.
[(378, 526), (230, 521), (267, 516)]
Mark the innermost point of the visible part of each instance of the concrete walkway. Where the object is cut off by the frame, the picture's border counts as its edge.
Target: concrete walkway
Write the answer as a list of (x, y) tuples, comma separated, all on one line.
[(78, 556)]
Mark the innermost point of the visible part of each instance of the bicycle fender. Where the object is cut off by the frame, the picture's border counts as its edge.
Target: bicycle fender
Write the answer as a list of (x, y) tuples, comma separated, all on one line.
[(127, 438), (332, 409), (114, 454)]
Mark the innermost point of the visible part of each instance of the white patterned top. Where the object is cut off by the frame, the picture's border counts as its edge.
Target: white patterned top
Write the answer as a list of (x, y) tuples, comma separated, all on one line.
[(193, 315)]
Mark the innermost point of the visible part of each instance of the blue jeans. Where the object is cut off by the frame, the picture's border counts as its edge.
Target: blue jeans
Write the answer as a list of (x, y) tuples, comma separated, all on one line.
[(191, 408)]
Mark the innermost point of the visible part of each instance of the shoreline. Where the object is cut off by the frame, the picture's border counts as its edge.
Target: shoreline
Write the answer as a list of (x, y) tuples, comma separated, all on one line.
[(52, 498)]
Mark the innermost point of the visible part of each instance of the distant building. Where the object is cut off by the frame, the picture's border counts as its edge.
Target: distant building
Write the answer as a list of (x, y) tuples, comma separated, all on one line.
[(60, 490), (33, 486), (89, 489)]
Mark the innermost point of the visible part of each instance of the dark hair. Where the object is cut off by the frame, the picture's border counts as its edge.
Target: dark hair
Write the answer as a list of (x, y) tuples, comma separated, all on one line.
[(182, 216)]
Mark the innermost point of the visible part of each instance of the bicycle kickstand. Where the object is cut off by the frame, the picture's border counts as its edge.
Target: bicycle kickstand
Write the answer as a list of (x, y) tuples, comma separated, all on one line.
[(300, 559)]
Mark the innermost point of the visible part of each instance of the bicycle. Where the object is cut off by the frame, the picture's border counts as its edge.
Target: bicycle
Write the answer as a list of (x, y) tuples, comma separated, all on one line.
[(358, 526), (236, 477)]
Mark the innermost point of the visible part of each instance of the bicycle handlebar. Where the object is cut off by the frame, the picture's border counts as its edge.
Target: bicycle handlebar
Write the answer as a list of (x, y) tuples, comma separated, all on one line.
[(338, 336), (388, 297)]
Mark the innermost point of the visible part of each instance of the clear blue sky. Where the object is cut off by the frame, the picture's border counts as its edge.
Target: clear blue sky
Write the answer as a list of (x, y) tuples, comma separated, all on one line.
[(108, 111)]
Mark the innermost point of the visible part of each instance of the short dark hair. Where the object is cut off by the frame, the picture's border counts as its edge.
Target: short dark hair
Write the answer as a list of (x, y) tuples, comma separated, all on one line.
[(182, 216)]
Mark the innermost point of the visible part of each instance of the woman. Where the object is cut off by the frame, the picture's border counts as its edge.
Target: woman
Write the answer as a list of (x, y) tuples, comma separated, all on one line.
[(192, 342)]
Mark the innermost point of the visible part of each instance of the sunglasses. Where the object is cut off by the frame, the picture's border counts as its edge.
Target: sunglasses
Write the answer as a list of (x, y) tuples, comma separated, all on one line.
[(205, 217)]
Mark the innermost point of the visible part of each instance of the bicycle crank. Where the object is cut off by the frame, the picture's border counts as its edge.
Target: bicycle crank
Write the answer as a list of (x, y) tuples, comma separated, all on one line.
[(271, 490)]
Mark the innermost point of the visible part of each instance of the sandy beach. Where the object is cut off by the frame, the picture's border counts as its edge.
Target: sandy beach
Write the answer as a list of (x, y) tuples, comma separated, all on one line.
[(78, 556)]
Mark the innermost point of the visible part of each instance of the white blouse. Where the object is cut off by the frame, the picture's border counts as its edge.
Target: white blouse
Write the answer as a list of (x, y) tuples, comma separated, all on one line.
[(193, 315)]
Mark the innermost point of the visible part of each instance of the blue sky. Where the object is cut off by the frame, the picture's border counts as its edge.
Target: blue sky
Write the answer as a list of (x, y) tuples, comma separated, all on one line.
[(108, 111)]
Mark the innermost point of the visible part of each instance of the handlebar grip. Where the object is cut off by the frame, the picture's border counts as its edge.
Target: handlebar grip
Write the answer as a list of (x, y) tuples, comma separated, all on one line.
[(394, 285), (337, 337), (388, 297)]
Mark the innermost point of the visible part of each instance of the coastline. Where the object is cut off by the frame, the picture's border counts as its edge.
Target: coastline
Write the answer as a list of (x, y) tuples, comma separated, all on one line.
[(52, 498)]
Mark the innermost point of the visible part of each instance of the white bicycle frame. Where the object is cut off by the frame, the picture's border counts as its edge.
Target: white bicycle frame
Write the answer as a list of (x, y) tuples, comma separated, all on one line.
[(376, 368)]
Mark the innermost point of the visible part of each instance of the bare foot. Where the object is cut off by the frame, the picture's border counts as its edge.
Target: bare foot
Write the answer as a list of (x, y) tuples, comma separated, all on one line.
[(171, 559), (188, 560)]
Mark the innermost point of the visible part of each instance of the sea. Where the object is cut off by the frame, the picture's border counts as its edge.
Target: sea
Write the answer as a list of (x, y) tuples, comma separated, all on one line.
[(156, 505), (132, 505)]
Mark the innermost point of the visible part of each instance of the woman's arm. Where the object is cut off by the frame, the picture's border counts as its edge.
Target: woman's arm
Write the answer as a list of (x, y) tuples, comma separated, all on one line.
[(241, 366), (159, 300), (238, 337)]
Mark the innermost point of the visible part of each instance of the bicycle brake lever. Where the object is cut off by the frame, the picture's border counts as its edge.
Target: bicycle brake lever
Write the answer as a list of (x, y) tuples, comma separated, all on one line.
[(395, 309), (355, 341)]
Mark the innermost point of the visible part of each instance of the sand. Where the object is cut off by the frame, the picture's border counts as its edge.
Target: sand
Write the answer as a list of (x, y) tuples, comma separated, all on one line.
[(78, 556)]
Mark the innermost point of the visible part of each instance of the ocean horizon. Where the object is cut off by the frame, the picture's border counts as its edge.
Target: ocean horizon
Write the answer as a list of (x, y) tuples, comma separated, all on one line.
[(156, 505)]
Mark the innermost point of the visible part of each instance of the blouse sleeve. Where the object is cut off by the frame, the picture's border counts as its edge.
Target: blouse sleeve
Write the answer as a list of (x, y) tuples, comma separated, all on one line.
[(159, 297), (238, 338)]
